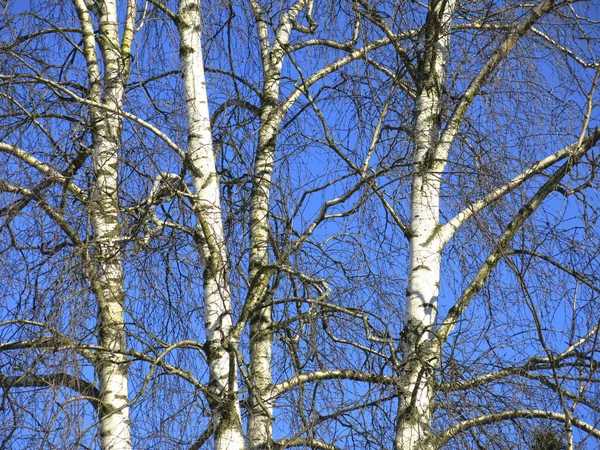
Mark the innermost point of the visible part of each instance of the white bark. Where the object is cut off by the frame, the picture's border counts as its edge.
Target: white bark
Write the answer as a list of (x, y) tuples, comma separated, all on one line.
[(428, 237), (217, 301), (261, 335), (261, 338), (112, 368), (415, 396), (262, 398)]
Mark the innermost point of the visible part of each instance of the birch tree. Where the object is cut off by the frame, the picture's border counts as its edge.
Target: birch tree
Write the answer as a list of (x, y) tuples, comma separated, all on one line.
[(298, 224), (107, 56), (217, 302), (444, 94), (138, 217)]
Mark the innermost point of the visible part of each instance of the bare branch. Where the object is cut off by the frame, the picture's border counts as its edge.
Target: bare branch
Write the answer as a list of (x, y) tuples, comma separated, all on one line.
[(509, 232), (514, 34), (304, 443), (514, 414), (85, 388), (336, 374), (450, 227)]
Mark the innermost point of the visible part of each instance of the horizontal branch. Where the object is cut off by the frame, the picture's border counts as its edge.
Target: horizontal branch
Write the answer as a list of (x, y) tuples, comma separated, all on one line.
[(49, 342), (86, 389), (26, 78), (304, 443), (88, 351), (27, 37), (525, 371), (338, 374), (43, 168)]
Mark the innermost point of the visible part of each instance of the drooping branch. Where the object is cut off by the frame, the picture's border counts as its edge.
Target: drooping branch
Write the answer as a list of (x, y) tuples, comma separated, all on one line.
[(337, 374), (478, 25), (34, 195), (526, 370), (578, 276), (402, 52), (514, 34), (510, 415), (234, 102), (89, 351), (160, 5), (27, 78), (311, 443), (354, 55), (361, 172), (585, 143), (60, 177)]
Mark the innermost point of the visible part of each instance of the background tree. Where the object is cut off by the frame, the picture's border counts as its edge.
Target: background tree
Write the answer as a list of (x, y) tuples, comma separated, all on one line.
[(100, 253)]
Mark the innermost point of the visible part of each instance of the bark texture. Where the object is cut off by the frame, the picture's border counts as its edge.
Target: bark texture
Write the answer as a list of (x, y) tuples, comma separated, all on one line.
[(217, 299), (261, 333), (422, 350), (107, 278), (415, 394)]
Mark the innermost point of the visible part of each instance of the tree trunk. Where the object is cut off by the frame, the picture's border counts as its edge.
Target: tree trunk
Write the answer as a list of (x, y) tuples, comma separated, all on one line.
[(107, 278), (223, 383), (413, 424), (261, 334)]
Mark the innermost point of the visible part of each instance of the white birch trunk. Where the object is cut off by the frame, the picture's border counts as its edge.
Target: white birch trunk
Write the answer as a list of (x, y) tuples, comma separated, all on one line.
[(413, 426), (217, 301), (261, 335), (112, 368)]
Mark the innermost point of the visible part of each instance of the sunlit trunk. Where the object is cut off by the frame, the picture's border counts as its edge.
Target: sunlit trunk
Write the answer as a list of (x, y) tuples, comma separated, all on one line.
[(217, 302), (413, 424), (108, 282), (261, 336), (261, 333)]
